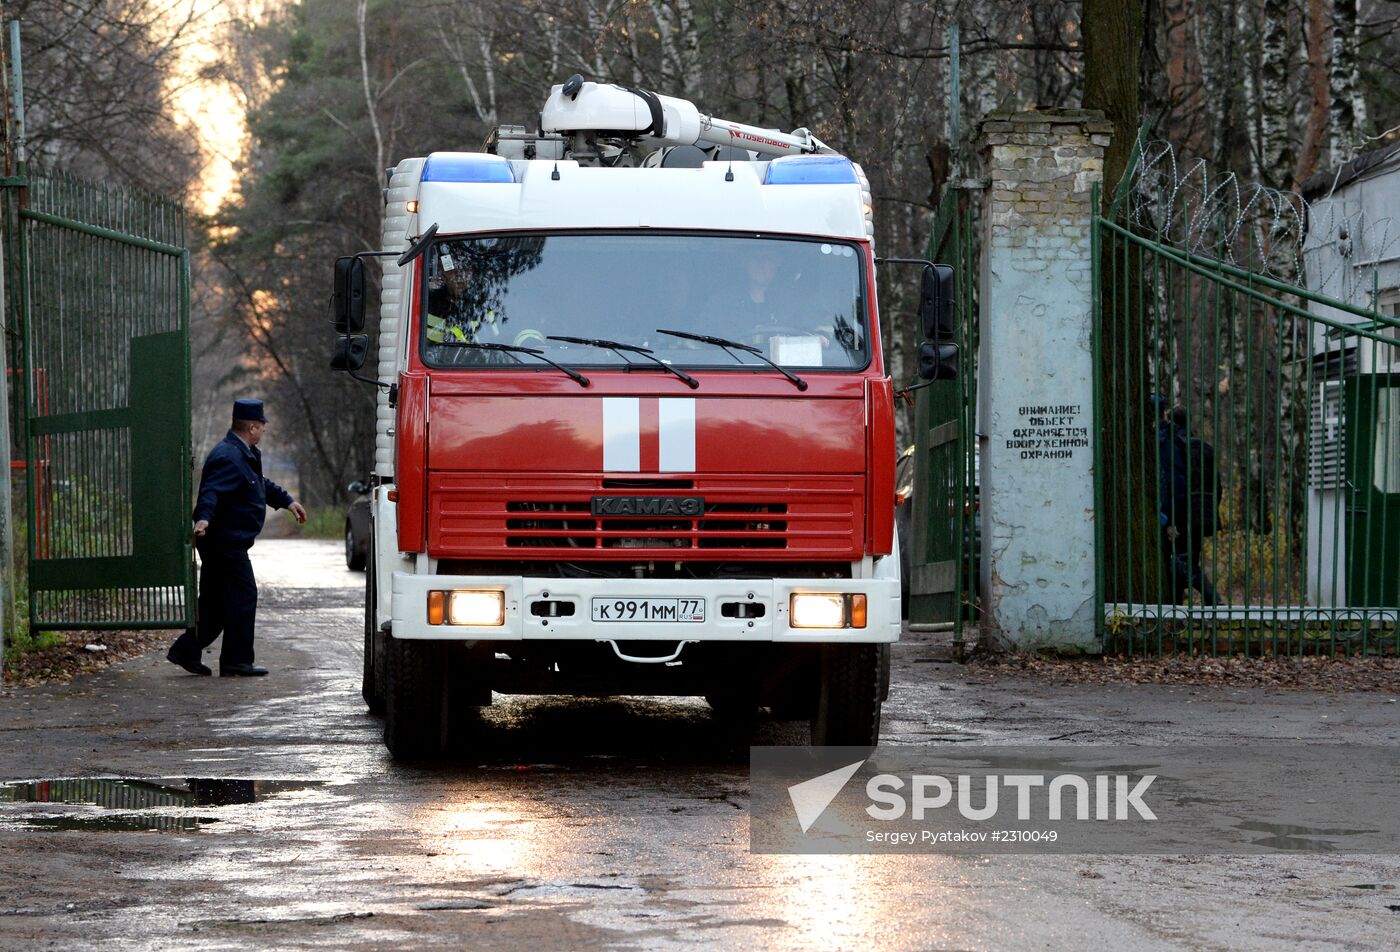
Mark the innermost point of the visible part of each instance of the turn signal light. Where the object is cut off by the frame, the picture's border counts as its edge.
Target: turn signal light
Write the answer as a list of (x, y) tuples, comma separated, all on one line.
[(822, 610)]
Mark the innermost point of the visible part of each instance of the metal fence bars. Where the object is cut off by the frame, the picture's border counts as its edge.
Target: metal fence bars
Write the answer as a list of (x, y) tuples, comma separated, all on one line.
[(945, 540), (102, 275), (1248, 460)]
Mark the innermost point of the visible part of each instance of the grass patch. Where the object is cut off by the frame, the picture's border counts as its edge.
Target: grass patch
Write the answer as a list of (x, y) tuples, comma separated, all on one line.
[(322, 522), (19, 640)]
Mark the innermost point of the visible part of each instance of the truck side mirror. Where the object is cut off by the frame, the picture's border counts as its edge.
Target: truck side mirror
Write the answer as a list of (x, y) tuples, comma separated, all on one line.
[(349, 295), (936, 316), (350, 352), (938, 360)]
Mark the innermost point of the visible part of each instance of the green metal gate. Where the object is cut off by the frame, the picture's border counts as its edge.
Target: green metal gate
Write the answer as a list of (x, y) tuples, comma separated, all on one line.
[(1294, 548), (945, 539), (1373, 475), (102, 282)]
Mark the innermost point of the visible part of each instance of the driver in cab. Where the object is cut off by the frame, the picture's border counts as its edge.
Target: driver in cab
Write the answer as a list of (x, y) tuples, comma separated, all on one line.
[(771, 323), (454, 311)]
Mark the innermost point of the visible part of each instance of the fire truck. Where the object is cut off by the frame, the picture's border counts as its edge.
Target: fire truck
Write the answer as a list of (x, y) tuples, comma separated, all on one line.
[(635, 431)]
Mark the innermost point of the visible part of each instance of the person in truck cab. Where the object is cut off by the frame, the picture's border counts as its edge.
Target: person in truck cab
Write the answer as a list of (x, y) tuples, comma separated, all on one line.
[(767, 309), (449, 303)]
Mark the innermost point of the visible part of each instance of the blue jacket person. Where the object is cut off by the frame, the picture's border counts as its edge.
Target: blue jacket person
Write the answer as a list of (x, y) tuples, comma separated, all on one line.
[(228, 515)]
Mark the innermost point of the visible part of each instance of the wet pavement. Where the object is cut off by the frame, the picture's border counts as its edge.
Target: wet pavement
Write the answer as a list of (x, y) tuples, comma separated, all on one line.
[(144, 808)]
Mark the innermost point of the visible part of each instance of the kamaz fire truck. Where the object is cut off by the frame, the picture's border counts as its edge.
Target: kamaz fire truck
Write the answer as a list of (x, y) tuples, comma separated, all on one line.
[(635, 433)]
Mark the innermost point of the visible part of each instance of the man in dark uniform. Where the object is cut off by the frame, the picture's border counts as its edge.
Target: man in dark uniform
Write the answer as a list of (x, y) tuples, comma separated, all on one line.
[(1188, 487), (233, 499)]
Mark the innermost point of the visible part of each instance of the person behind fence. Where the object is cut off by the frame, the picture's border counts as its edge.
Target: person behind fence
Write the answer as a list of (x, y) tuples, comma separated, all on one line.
[(228, 515), (1188, 492)]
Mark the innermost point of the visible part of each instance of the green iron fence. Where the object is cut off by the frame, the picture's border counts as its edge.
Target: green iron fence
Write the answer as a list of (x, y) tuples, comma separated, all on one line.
[(945, 539), (1283, 537), (100, 285)]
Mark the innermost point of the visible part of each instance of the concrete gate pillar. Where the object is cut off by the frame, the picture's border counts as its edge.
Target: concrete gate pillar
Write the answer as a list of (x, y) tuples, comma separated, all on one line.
[(1035, 377)]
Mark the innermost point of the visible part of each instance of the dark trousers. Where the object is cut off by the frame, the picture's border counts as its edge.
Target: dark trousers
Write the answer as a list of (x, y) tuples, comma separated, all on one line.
[(228, 602), (1184, 570)]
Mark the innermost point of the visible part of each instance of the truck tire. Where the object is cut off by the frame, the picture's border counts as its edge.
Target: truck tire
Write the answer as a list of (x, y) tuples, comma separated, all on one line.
[(372, 678), (903, 517), (415, 696), (354, 552), (848, 697)]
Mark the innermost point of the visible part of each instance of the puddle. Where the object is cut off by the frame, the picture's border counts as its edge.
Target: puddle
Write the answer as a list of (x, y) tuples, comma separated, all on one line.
[(1289, 837), (120, 822), (132, 800), (116, 794)]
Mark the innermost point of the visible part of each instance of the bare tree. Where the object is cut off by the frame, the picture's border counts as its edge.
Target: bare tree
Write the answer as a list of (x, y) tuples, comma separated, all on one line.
[(99, 88), (1276, 151), (467, 33), (1348, 106)]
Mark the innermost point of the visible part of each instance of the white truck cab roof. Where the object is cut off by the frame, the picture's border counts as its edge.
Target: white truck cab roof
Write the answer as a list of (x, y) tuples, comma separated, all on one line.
[(818, 195)]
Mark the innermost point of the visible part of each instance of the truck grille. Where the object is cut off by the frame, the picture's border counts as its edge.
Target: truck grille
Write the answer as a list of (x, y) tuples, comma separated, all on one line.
[(475, 516), (724, 525)]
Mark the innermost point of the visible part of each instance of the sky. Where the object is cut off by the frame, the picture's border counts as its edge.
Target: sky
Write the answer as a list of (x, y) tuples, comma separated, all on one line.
[(212, 110)]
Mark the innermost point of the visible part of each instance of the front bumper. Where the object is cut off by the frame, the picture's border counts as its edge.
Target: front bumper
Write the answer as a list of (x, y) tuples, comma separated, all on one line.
[(410, 609)]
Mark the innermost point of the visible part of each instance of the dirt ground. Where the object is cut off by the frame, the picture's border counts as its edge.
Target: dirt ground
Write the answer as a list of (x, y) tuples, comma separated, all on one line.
[(597, 823)]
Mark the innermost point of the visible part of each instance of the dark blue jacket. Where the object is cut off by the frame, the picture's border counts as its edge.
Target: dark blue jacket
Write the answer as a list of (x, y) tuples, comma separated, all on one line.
[(1171, 474), (234, 494)]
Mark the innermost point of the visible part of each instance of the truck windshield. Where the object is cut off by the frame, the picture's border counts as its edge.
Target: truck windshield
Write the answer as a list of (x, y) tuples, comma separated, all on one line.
[(800, 301)]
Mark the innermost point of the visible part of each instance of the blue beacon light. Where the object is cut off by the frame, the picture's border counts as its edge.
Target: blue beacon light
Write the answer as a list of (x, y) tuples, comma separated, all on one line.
[(472, 167), (811, 170)]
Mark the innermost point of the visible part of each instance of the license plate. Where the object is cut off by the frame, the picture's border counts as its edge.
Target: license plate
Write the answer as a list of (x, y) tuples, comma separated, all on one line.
[(649, 609)]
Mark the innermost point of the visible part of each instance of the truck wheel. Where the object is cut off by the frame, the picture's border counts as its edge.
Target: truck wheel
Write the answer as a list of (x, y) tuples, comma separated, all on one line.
[(372, 677), (354, 553), (848, 698), (903, 516), (415, 709)]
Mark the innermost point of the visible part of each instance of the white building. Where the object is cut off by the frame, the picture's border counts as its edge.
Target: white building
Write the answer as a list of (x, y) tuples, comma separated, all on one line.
[(1352, 254)]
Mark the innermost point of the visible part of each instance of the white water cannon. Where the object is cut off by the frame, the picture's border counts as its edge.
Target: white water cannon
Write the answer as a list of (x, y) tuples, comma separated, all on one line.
[(601, 110)]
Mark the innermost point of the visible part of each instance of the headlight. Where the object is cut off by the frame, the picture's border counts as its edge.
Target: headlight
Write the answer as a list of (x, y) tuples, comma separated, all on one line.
[(480, 609), (812, 610)]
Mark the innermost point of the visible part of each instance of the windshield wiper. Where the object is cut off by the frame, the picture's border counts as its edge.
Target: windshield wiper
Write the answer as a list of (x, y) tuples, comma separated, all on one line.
[(625, 349), (720, 342), (512, 349)]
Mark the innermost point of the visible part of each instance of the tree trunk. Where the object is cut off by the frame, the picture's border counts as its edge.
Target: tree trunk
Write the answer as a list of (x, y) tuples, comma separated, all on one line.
[(1113, 35), (1317, 89), (1275, 97), (1217, 50), (1113, 32), (1247, 25), (1348, 105)]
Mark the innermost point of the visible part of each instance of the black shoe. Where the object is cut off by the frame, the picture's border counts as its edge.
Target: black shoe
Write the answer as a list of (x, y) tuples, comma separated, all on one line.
[(241, 671), (191, 665)]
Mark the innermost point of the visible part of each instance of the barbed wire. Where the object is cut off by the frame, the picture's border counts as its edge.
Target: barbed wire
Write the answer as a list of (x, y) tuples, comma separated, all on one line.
[(1329, 244)]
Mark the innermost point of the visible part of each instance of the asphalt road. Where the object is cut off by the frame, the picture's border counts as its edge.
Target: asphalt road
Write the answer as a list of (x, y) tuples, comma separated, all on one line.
[(590, 824)]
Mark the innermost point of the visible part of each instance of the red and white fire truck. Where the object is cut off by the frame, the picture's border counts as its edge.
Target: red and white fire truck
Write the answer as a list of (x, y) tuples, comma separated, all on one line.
[(635, 434)]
